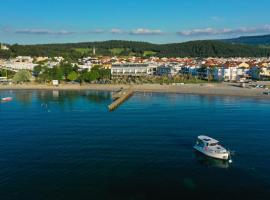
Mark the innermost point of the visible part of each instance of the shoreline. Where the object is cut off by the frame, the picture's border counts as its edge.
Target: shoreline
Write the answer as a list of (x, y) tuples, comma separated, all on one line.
[(215, 89)]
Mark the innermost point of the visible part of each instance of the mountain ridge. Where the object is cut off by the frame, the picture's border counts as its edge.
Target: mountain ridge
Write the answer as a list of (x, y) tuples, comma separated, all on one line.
[(199, 48), (250, 40)]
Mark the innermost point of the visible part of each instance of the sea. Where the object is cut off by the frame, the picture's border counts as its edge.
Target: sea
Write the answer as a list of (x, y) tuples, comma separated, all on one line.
[(66, 145)]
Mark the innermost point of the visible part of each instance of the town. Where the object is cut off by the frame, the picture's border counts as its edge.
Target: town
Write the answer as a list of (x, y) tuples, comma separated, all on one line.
[(116, 69)]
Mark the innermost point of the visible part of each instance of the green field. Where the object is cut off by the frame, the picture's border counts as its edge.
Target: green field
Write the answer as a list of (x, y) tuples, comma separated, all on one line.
[(83, 50), (117, 51), (149, 53)]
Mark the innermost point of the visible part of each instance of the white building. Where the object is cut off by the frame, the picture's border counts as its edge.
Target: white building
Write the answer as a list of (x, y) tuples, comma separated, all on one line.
[(132, 69), (87, 67), (25, 59), (265, 72), (4, 47), (15, 66), (230, 73)]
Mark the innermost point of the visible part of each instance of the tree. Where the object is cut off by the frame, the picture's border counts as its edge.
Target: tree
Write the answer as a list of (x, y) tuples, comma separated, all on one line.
[(93, 75), (37, 70), (72, 76), (56, 73), (66, 69), (22, 76), (105, 73), (90, 76)]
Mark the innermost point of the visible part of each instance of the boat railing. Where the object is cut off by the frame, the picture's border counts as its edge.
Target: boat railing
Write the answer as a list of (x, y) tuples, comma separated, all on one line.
[(215, 151)]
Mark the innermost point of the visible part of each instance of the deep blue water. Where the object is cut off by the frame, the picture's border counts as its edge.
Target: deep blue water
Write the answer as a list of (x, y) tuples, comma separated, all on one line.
[(66, 145)]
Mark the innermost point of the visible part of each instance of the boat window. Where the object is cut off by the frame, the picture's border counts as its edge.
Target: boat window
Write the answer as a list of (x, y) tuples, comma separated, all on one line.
[(200, 143), (213, 144)]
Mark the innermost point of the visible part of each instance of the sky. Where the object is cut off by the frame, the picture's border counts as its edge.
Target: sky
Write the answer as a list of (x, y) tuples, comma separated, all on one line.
[(156, 21)]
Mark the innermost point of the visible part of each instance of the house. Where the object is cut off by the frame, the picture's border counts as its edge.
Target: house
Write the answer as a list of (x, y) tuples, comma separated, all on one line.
[(218, 74), (265, 73), (255, 72), (4, 47), (87, 67), (244, 65), (166, 70), (229, 73), (190, 69)]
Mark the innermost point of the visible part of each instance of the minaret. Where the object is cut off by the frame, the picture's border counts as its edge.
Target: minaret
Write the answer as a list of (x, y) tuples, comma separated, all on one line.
[(94, 50)]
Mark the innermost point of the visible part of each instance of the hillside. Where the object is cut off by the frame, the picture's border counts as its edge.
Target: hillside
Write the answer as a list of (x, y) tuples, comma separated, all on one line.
[(212, 49), (130, 48), (251, 40)]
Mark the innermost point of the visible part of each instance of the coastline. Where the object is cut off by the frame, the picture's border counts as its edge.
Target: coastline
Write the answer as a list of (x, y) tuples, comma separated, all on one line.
[(218, 89)]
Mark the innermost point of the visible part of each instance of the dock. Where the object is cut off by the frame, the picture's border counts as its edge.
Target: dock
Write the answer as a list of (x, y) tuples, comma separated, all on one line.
[(120, 97)]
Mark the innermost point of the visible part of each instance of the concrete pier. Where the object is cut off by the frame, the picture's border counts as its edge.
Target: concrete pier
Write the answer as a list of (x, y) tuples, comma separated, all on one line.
[(120, 97)]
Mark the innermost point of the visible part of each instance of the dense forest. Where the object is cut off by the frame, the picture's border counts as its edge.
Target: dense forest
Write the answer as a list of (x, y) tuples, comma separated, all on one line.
[(252, 40), (205, 48)]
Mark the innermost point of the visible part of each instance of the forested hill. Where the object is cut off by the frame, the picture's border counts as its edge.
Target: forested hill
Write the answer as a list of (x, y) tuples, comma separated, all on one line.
[(212, 49), (130, 48), (252, 40)]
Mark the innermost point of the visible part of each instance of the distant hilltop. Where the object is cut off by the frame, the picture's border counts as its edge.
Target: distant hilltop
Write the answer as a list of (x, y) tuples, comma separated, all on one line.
[(205, 48), (251, 40)]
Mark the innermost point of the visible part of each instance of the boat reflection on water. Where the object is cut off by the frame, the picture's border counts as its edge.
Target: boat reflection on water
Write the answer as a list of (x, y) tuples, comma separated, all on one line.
[(211, 162)]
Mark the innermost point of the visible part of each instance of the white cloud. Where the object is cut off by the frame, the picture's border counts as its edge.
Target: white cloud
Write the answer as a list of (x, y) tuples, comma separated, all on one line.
[(116, 31), (225, 31), (143, 31), (43, 32)]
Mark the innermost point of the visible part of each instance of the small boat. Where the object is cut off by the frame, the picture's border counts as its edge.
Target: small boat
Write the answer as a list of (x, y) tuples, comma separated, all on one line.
[(211, 162), (6, 99), (211, 147)]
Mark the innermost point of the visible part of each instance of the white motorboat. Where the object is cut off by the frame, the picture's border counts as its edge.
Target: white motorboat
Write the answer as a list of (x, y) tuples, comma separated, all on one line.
[(211, 147)]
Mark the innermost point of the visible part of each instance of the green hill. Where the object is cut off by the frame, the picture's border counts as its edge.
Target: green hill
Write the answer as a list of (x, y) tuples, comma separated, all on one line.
[(205, 48), (252, 40)]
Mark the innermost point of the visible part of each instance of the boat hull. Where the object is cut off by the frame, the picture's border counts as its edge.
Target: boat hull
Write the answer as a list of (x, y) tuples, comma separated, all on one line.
[(221, 156)]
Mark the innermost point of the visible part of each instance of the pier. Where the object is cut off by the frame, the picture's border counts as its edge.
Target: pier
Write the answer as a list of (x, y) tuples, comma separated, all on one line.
[(120, 97)]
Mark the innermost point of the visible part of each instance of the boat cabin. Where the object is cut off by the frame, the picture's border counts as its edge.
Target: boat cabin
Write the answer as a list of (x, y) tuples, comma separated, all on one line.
[(205, 141)]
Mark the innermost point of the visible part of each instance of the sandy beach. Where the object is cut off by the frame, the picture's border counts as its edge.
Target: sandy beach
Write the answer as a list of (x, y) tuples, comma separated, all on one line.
[(225, 89)]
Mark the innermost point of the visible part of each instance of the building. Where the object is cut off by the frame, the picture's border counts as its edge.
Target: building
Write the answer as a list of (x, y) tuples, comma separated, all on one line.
[(3, 79), (230, 73), (265, 73), (166, 70), (132, 69), (218, 74), (255, 72), (87, 67), (16, 66), (4, 47)]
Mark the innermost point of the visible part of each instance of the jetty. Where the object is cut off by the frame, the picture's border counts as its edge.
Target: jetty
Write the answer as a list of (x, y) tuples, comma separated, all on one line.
[(120, 97)]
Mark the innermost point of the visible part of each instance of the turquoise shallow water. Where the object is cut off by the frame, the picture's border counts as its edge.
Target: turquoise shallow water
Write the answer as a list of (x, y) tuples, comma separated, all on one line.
[(66, 145)]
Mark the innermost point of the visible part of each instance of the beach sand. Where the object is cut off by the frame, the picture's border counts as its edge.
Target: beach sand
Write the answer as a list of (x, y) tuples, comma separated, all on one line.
[(225, 89)]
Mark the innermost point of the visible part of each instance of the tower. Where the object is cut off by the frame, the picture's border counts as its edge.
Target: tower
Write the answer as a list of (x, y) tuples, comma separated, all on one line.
[(94, 50)]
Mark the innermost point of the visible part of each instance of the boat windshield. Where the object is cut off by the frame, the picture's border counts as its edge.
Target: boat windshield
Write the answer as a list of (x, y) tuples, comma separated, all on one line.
[(200, 143), (213, 144)]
